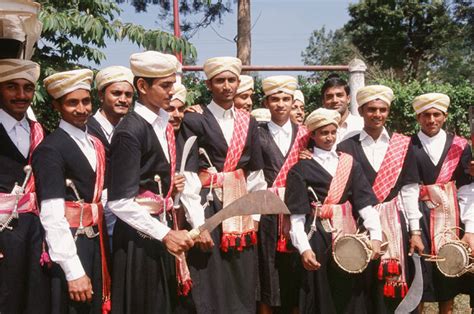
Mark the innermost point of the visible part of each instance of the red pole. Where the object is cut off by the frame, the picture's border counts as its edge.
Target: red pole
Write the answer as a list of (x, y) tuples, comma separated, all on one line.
[(177, 30)]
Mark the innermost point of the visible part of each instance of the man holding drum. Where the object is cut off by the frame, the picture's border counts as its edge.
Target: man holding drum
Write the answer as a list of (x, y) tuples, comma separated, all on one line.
[(388, 163), (329, 189), (443, 164), (23, 284)]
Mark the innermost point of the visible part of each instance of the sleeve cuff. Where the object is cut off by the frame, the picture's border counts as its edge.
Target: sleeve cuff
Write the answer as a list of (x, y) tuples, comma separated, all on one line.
[(72, 268), (160, 231), (469, 226), (376, 235), (256, 217), (414, 224)]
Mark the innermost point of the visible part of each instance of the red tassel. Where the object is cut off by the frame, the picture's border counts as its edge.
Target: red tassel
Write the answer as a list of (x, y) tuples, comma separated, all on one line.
[(253, 237), (380, 273), (224, 243), (386, 290), (106, 306), (45, 260), (243, 240), (185, 287), (231, 240)]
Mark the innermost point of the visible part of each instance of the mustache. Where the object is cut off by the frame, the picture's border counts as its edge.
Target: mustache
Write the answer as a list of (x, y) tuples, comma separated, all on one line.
[(14, 101)]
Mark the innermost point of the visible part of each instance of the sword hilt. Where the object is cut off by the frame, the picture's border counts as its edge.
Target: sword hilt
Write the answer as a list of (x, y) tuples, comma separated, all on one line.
[(71, 184), (203, 152)]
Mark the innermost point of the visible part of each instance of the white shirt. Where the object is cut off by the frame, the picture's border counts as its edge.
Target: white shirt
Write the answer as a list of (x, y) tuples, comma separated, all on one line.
[(375, 151), (105, 125), (18, 131), (190, 198), (281, 135), (126, 208), (434, 147), (350, 127), (62, 247), (329, 160)]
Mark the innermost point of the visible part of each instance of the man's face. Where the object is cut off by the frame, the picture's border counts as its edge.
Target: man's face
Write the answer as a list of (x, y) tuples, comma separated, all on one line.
[(336, 98), (279, 105), (325, 137), (375, 114), (117, 98), (244, 100), (176, 111), (16, 96), (158, 94), (223, 87), (75, 107), (431, 121), (297, 112)]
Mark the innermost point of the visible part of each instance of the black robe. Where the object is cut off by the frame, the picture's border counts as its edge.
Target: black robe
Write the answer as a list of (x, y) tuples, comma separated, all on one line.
[(375, 301), (141, 281), (94, 128), (329, 289), (278, 283), (437, 287), (56, 159), (223, 282), (24, 284)]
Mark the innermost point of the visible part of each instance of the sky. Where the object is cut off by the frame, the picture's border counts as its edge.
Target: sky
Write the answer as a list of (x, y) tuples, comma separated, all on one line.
[(281, 31)]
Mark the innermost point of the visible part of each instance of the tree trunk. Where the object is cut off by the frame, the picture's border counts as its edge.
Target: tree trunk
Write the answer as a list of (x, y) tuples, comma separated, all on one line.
[(244, 41)]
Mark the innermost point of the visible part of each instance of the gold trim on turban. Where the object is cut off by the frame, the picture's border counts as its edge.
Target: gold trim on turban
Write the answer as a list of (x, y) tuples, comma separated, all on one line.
[(153, 64), (179, 92), (299, 96), (113, 74), (12, 69), (431, 100), (322, 117), (373, 92), (246, 83), (62, 83), (279, 83), (214, 66)]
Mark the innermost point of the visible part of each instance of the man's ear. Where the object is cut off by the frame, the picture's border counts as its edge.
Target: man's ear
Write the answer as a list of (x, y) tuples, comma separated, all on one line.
[(56, 104), (142, 86), (208, 84)]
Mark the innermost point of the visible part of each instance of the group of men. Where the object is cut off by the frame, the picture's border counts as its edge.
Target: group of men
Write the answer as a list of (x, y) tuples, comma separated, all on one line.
[(90, 217)]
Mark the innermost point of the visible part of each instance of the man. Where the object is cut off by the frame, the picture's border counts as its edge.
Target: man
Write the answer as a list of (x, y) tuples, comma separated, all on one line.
[(281, 141), (389, 164), (115, 91), (243, 96), (297, 110), (142, 184), (24, 287), (328, 187), (223, 263), (443, 161), (177, 106), (69, 171), (336, 95)]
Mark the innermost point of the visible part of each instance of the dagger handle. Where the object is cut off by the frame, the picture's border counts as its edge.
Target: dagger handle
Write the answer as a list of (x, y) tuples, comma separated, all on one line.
[(193, 234)]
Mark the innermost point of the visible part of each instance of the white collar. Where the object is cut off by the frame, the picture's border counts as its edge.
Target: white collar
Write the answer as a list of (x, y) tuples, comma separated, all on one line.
[(322, 154), (218, 111), (104, 123), (150, 116), (73, 130), (275, 128), (384, 136), (9, 122), (441, 136)]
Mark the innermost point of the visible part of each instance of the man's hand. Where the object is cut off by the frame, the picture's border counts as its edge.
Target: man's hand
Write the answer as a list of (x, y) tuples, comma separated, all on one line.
[(375, 249), (178, 184), (80, 290), (305, 154), (194, 108), (308, 258), (177, 241), (469, 239), (416, 245), (204, 241)]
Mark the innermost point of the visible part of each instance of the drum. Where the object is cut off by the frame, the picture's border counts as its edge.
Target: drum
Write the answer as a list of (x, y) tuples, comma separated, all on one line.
[(454, 259), (352, 252)]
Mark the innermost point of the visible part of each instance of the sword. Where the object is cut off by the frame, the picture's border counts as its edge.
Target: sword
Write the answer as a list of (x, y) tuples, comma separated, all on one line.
[(414, 294), (187, 148), (259, 202), (18, 191), (88, 231)]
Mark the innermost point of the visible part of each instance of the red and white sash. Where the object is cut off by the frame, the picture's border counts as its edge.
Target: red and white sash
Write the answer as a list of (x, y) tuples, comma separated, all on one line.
[(301, 141)]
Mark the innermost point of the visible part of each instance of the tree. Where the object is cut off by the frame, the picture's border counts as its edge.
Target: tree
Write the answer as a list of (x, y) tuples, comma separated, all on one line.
[(244, 28)]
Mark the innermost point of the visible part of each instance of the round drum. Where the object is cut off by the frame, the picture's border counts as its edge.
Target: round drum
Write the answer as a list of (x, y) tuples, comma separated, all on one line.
[(454, 259), (351, 253)]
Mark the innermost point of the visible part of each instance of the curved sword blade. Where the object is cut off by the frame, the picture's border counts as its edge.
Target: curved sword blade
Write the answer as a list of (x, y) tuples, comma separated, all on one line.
[(414, 294)]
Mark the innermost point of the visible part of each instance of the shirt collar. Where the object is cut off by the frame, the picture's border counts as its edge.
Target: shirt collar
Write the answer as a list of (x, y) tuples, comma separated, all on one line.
[(218, 111), (73, 130), (104, 123), (441, 136), (9, 122), (162, 117), (384, 136), (322, 154), (275, 128)]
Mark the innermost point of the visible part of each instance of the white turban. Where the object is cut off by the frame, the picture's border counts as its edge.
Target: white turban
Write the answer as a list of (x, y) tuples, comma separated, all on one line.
[(432, 100), (62, 83), (261, 114), (279, 83), (373, 92), (246, 83), (179, 92), (12, 69), (113, 74), (299, 96), (217, 65), (322, 117), (153, 64)]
